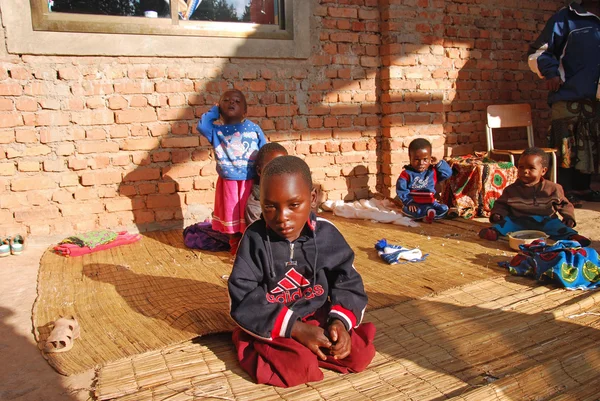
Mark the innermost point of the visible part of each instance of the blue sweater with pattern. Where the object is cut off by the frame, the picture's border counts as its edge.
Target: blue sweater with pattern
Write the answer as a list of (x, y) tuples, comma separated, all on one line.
[(236, 145)]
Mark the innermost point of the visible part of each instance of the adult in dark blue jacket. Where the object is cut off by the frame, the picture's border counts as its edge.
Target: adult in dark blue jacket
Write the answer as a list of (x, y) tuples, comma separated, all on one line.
[(416, 185), (567, 55)]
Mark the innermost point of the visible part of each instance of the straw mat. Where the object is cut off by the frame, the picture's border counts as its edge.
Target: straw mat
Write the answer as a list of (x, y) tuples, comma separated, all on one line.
[(156, 292), (502, 338)]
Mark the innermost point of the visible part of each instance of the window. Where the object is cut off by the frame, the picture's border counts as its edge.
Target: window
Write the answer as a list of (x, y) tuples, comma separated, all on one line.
[(254, 18), (229, 28)]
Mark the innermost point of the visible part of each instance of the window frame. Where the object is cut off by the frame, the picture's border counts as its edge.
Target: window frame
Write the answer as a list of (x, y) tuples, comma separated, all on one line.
[(44, 20), (218, 39)]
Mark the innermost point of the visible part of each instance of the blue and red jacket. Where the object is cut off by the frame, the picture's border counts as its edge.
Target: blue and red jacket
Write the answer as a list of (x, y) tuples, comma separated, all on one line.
[(419, 187), (275, 282)]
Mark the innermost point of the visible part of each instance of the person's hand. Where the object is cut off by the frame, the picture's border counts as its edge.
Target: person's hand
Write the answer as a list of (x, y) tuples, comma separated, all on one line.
[(569, 223), (312, 337), (554, 84), (434, 160), (495, 217), (412, 208), (342, 343)]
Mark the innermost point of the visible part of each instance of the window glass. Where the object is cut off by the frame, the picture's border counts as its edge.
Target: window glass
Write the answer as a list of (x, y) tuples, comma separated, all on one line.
[(254, 11)]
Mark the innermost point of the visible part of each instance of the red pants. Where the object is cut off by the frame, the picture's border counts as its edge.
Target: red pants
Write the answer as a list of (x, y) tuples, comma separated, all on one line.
[(284, 362)]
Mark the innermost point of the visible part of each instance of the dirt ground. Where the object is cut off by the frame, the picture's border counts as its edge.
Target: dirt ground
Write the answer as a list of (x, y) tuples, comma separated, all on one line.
[(26, 376)]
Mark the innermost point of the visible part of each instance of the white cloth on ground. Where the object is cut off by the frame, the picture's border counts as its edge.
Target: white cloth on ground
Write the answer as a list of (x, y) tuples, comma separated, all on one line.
[(382, 211)]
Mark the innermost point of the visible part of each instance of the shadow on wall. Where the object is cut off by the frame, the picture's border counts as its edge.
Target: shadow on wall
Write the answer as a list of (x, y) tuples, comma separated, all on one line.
[(443, 86)]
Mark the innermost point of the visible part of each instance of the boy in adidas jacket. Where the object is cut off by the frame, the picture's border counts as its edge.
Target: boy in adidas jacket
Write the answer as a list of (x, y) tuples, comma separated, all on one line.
[(294, 291)]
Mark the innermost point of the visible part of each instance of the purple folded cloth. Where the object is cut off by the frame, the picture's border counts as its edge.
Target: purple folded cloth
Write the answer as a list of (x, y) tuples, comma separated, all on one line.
[(202, 236)]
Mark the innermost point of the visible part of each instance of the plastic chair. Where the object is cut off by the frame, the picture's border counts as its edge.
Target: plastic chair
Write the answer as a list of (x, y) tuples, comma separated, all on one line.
[(511, 116)]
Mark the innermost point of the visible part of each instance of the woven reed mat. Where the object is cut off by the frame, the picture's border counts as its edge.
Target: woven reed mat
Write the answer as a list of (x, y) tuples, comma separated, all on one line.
[(502, 338), (154, 293)]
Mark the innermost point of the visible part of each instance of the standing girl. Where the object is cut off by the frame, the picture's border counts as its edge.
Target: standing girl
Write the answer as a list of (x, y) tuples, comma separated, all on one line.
[(236, 142)]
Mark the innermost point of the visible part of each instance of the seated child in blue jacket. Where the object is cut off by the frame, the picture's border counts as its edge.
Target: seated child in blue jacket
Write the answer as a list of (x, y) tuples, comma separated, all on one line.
[(416, 185), (298, 300)]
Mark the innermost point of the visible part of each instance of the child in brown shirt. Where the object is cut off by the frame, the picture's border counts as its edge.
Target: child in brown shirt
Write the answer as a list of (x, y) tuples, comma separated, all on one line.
[(533, 203)]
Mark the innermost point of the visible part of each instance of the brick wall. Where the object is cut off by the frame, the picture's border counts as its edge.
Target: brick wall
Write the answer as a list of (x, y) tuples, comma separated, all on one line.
[(110, 142)]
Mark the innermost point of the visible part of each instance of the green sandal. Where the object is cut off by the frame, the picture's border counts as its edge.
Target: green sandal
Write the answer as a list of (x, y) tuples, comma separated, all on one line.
[(17, 244)]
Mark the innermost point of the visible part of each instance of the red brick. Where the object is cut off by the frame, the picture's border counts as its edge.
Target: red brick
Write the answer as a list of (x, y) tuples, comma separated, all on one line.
[(117, 103), (97, 147), (19, 73), (140, 144), (117, 205), (25, 136), (175, 114), (54, 165), (135, 116), (37, 214), (99, 162), (174, 87), (342, 12), (69, 180), (77, 164), (26, 104), (188, 142), (10, 89), (6, 104), (174, 172), (162, 156), (93, 117), (166, 187), (279, 111), (52, 118), (368, 14), (90, 178), (62, 196), (180, 128), (142, 174), (10, 119), (133, 87), (50, 104), (180, 156), (162, 201), (32, 183), (69, 73), (7, 169), (200, 198), (138, 101), (7, 137), (28, 166), (82, 209), (117, 131)]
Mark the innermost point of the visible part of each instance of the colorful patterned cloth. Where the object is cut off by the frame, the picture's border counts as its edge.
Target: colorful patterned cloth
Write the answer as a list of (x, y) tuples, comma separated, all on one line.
[(91, 239), (476, 183), (565, 262)]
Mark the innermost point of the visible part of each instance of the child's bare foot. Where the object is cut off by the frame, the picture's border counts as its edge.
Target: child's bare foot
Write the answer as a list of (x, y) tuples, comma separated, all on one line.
[(430, 216), (489, 233)]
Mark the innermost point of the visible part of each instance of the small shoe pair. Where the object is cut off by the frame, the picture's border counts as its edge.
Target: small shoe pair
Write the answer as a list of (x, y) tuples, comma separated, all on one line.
[(12, 245)]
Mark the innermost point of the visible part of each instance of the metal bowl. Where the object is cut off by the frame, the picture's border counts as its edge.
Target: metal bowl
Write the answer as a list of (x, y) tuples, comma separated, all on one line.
[(517, 238)]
